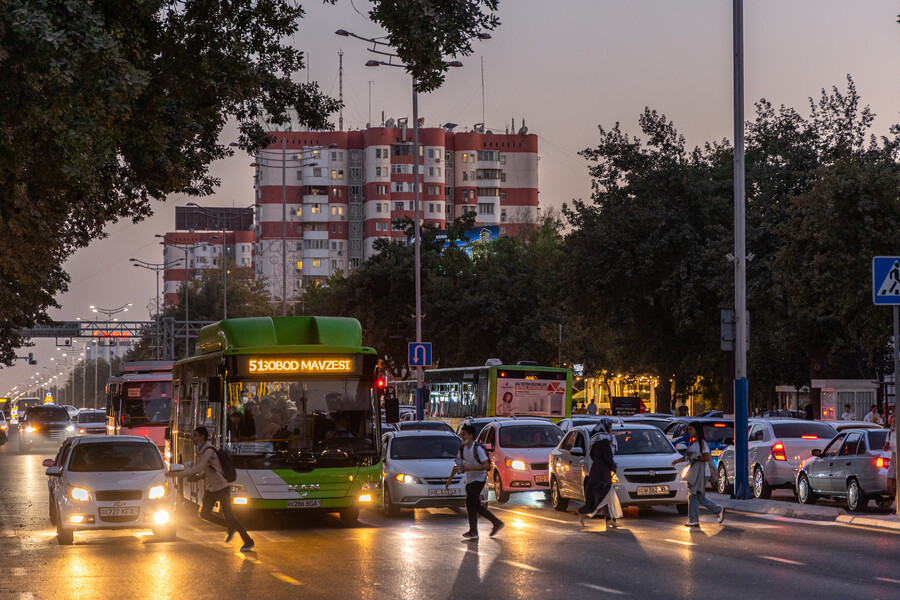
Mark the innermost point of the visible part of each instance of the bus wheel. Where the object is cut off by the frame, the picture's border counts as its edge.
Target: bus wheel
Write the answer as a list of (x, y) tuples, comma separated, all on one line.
[(349, 516)]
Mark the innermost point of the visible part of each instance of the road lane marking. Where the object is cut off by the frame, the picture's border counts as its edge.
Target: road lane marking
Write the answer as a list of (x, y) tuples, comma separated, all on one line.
[(888, 579), (782, 560), (525, 514), (285, 578), (600, 588), (683, 543), (522, 566)]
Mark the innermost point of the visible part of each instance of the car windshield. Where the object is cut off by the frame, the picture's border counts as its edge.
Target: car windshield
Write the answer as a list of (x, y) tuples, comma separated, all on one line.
[(424, 448), (92, 417), (300, 425), (146, 403), (803, 428), (48, 414), (877, 440), (530, 436), (715, 433), (115, 456), (424, 426), (642, 441)]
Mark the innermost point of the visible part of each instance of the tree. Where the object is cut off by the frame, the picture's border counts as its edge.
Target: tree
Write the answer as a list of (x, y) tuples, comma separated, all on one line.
[(107, 106)]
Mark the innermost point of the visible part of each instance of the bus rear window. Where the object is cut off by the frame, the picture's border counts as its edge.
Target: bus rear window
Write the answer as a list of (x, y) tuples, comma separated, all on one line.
[(146, 403)]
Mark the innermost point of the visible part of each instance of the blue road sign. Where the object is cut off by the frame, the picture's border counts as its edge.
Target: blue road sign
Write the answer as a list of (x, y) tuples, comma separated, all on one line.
[(420, 354), (886, 280)]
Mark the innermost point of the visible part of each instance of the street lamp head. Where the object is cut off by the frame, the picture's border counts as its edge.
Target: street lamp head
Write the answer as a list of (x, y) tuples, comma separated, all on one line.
[(193, 204), (234, 145), (342, 33), (484, 36), (454, 63), (254, 164), (373, 63)]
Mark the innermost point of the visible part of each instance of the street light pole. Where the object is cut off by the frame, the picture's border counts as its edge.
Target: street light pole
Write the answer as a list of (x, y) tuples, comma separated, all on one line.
[(157, 268), (420, 390), (283, 226)]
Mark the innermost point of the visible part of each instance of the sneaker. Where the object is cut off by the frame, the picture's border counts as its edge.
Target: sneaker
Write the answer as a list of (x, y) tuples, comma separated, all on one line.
[(470, 534), (722, 514), (230, 536), (248, 546), (612, 524), (692, 524), (497, 528)]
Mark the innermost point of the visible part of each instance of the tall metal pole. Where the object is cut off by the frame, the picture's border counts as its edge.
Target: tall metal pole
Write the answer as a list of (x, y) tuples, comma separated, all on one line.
[(187, 302), (156, 315), (224, 274), (896, 464), (741, 487), (420, 392), (96, 367), (283, 226)]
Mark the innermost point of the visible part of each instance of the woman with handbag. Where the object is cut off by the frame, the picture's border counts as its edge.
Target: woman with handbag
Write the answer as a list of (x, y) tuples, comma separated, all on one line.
[(598, 485), (696, 476)]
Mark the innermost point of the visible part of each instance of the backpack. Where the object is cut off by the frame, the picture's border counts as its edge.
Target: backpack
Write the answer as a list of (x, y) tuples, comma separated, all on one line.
[(226, 465)]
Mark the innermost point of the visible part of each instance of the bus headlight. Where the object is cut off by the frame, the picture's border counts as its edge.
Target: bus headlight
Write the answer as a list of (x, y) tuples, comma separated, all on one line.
[(239, 500), (80, 494), (157, 491), (365, 498)]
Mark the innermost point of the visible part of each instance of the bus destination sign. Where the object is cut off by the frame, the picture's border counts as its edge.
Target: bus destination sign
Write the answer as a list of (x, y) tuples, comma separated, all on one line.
[(290, 366)]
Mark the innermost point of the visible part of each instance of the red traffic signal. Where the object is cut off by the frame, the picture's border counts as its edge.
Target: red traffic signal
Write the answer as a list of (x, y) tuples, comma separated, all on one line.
[(380, 383)]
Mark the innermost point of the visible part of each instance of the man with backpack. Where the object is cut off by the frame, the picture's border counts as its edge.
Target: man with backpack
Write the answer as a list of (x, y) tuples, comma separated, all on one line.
[(474, 462), (217, 476)]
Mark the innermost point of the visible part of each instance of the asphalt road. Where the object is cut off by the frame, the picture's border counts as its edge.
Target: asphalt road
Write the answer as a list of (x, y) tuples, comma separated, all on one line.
[(540, 554)]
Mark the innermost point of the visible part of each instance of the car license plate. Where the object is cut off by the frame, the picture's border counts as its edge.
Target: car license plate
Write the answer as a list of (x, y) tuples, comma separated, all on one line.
[(542, 479), (716, 453), (652, 490), (304, 503), (128, 511), (454, 492)]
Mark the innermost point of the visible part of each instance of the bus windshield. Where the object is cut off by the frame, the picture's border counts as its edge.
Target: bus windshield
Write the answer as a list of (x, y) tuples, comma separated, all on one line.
[(146, 403), (300, 425)]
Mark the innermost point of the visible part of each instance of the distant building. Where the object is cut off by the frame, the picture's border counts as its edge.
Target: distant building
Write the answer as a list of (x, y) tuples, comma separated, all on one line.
[(340, 199)]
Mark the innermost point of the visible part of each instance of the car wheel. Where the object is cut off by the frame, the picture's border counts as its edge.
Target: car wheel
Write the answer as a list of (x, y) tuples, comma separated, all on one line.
[(804, 491), (682, 509), (387, 505), (501, 494), (349, 516), (722, 482), (761, 489), (64, 537), (559, 503), (856, 499), (53, 517), (165, 534)]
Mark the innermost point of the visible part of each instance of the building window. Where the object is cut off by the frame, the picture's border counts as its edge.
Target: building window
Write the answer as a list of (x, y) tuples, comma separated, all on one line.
[(431, 153), (502, 159), (503, 215), (317, 262), (502, 176), (340, 229), (377, 152), (333, 228), (398, 206), (337, 210), (465, 175), (334, 265), (503, 194), (387, 207), (317, 154), (337, 192), (465, 157), (337, 174), (317, 171), (299, 174), (299, 265), (465, 195), (485, 209), (378, 207), (377, 171)]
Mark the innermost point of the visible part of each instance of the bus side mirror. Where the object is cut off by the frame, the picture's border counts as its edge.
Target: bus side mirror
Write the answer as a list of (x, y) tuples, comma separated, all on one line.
[(214, 386)]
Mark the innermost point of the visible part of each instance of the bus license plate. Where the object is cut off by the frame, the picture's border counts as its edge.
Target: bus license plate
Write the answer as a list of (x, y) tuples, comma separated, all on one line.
[(716, 453), (652, 490), (454, 492), (129, 511), (304, 503), (542, 479)]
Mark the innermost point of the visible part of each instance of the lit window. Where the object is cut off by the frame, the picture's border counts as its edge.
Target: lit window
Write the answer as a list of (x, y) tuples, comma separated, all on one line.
[(299, 265), (317, 262)]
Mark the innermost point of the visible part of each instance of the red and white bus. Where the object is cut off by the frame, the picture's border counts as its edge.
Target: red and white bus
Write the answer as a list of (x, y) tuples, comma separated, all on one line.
[(139, 400)]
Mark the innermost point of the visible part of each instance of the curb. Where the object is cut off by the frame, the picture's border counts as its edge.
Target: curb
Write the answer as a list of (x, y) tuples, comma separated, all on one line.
[(880, 523)]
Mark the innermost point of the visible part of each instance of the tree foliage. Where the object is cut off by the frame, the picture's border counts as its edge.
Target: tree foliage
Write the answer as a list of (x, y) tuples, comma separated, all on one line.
[(105, 106)]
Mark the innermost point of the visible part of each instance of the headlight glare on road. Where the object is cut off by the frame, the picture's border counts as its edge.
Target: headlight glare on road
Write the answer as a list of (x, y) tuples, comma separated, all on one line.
[(160, 517), (80, 494), (515, 464), (157, 491), (406, 478)]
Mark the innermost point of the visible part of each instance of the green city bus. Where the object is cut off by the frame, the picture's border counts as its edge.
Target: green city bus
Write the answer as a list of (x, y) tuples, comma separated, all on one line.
[(493, 390), (293, 400)]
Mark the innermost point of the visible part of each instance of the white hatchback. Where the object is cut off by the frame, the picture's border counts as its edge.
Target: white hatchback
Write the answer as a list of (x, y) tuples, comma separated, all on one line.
[(111, 482)]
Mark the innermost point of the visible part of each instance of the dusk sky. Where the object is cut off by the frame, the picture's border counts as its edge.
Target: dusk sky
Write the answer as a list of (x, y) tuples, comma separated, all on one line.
[(564, 67)]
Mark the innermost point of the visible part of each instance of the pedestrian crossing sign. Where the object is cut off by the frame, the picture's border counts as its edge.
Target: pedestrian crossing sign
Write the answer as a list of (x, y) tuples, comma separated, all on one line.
[(886, 280)]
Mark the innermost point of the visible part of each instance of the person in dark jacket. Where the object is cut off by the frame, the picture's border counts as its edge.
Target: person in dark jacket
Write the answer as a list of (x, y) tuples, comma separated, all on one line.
[(599, 480)]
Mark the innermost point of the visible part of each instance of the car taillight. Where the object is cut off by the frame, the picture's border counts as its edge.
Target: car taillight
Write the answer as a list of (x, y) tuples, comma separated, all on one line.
[(882, 463), (809, 437), (778, 451)]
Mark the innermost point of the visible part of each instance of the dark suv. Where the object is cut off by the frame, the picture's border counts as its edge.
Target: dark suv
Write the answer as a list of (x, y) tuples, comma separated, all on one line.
[(44, 425)]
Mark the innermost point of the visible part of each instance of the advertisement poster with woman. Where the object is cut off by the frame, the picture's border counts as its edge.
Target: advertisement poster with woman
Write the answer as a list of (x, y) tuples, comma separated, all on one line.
[(529, 397)]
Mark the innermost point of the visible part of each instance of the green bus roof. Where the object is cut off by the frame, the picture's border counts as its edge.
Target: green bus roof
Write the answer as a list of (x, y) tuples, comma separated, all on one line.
[(283, 334)]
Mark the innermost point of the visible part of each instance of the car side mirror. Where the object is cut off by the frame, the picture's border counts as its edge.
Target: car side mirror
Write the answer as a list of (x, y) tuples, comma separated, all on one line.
[(49, 462), (682, 447), (53, 472), (175, 467), (577, 451), (816, 452)]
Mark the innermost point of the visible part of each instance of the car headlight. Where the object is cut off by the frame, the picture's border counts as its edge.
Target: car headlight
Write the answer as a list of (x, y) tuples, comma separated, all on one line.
[(30, 429), (80, 430), (80, 494), (70, 428), (615, 479), (157, 491), (406, 478), (515, 464)]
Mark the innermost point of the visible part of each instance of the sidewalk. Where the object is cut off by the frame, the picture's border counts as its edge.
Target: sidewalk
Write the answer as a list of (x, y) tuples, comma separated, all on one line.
[(813, 512)]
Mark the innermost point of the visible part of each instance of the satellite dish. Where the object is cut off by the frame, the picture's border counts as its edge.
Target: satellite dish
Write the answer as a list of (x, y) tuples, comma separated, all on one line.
[(390, 122), (523, 130)]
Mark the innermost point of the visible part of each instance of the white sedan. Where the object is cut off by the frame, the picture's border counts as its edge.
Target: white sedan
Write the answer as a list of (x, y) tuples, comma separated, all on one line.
[(111, 482), (416, 467), (644, 476)]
